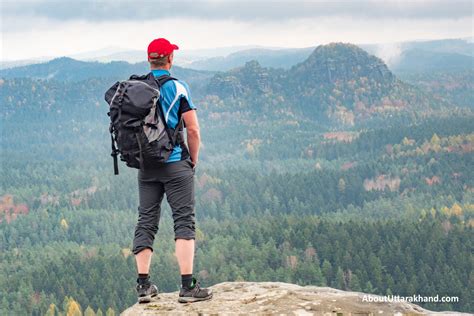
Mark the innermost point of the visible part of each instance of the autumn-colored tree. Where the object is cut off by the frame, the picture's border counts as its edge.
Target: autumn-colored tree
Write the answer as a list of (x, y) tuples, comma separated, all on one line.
[(89, 311), (73, 308), (51, 310)]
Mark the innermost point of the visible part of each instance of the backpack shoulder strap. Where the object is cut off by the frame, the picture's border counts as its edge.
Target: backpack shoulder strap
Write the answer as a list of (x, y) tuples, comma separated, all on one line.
[(161, 80)]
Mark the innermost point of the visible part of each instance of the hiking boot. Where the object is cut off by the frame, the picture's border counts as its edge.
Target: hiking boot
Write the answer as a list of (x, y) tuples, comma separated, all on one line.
[(146, 292), (194, 293)]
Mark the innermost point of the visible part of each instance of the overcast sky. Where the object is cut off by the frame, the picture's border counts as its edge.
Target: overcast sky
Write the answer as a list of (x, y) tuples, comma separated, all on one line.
[(35, 28)]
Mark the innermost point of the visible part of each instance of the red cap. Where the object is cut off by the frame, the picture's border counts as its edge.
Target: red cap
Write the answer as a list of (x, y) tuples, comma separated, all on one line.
[(160, 47)]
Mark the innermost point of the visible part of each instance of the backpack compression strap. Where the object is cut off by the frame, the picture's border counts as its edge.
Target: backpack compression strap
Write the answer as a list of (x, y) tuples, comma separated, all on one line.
[(114, 155)]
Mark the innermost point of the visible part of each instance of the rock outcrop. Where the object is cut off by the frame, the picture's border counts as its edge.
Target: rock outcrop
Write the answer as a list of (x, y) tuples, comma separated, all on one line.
[(269, 298)]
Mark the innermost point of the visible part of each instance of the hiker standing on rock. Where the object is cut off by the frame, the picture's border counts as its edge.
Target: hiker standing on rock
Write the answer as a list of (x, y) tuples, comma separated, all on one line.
[(175, 177)]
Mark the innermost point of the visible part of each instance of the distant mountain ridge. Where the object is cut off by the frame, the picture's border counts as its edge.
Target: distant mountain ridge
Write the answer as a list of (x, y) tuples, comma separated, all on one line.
[(71, 70), (446, 54), (338, 81), (398, 55), (422, 61), (65, 68), (275, 58)]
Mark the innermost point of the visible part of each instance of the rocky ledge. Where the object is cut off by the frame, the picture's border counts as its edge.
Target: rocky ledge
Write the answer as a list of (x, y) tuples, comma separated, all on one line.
[(267, 298)]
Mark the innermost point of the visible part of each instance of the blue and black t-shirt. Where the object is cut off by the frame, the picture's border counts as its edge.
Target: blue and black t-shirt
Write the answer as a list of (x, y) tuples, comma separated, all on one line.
[(175, 100)]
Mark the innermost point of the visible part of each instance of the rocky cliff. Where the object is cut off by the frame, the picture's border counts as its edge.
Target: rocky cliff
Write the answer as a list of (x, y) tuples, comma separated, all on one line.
[(268, 298)]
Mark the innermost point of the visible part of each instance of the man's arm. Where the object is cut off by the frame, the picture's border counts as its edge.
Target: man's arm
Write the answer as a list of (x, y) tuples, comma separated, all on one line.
[(193, 134)]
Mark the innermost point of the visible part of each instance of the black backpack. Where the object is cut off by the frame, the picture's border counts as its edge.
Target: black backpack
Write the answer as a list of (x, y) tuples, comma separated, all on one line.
[(138, 129)]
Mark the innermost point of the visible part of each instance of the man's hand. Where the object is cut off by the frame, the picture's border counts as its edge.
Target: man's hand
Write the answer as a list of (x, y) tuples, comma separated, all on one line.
[(194, 164), (193, 135)]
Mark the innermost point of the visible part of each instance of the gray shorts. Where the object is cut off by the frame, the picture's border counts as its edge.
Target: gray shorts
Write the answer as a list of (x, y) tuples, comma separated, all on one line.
[(176, 179)]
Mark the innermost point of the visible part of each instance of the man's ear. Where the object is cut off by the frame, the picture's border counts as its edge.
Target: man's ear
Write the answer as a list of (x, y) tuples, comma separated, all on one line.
[(170, 58)]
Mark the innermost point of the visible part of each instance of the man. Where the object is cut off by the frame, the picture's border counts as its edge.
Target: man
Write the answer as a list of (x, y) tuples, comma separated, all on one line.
[(176, 179)]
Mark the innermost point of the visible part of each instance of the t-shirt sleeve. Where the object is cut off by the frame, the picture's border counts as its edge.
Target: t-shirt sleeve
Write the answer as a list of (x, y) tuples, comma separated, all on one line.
[(185, 106), (185, 102)]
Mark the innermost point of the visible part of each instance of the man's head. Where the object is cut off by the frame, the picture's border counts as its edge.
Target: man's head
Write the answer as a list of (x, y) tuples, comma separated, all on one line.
[(160, 53)]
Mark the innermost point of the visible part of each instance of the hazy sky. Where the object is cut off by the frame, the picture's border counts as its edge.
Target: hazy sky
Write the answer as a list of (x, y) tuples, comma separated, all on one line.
[(35, 28)]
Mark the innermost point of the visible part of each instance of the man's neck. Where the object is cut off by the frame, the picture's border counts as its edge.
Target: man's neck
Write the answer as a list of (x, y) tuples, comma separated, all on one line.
[(162, 68)]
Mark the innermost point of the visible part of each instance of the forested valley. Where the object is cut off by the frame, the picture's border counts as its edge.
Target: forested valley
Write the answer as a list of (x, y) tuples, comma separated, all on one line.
[(340, 175)]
